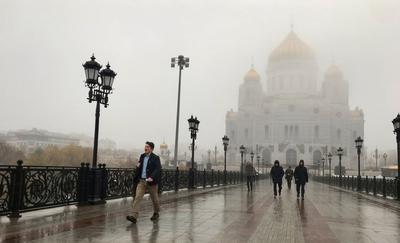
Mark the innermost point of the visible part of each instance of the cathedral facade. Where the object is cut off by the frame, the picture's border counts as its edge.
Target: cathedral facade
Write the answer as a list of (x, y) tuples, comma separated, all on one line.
[(294, 114)]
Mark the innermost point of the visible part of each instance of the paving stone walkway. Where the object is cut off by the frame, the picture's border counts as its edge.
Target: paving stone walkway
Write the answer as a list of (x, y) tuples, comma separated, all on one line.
[(224, 215)]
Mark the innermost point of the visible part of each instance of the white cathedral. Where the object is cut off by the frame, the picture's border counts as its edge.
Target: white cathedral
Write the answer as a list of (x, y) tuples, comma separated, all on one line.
[(294, 119)]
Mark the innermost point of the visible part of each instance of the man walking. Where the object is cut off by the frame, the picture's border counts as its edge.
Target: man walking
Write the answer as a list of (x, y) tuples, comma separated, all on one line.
[(277, 175), (147, 176), (301, 178), (250, 173), (289, 177)]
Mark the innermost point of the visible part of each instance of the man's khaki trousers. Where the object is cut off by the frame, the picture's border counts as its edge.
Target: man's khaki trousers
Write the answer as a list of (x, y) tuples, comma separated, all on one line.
[(140, 191)]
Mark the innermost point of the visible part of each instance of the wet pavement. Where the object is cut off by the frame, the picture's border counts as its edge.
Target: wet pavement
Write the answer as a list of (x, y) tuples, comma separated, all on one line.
[(225, 215)]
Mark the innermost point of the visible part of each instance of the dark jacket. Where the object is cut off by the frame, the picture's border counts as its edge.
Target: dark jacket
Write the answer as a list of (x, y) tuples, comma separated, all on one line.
[(300, 175), (289, 174), (249, 169), (277, 173), (153, 169)]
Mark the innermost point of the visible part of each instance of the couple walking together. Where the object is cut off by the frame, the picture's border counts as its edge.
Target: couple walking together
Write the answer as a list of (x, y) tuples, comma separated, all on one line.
[(300, 176)]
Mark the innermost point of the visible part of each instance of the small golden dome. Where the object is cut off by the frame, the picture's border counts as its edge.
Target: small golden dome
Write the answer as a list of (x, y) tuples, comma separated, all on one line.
[(333, 72), (252, 75), (163, 146), (292, 47)]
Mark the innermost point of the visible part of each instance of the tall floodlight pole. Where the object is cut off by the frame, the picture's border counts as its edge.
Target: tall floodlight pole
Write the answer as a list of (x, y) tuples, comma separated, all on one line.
[(182, 62)]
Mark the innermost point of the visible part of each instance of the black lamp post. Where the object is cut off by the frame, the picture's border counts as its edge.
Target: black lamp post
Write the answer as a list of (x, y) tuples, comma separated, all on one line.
[(258, 164), (330, 161), (193, 128), (98, 92), (252, 156), (182, 62), (242, 150), (359, 143), (340, 153), (225, 142), (384, 155), (396, 125), (323, 166)]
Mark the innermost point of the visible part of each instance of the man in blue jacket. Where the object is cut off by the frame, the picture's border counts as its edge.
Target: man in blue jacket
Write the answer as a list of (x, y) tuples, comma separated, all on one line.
[(147, 177), (277, 175)]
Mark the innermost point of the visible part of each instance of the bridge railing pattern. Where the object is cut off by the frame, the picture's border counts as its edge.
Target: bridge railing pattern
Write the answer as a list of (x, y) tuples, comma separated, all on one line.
[(25, 188), (381, 186)]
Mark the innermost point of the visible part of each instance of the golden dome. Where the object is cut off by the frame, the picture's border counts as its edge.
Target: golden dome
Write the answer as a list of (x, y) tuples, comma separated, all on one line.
[(292, 47), (252, 75), (163, 146), (333, 72)]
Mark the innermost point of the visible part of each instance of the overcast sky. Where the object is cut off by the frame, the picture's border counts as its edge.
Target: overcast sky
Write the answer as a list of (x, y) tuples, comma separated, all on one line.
[(43, 44)]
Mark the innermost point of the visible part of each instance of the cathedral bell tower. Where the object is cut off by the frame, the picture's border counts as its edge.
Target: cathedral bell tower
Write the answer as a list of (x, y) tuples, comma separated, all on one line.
[(250, 92)]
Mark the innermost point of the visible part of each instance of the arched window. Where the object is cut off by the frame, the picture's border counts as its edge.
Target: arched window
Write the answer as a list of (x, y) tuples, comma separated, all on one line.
[(339, 134), (266, 131), (286, 131), (316, 131)]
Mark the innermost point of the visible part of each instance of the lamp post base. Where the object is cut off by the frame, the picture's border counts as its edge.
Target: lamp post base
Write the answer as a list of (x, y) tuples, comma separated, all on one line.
[(96, 194)]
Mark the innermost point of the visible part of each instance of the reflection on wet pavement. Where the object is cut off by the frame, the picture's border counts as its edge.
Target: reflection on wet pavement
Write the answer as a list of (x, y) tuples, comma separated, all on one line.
[(226, 215)]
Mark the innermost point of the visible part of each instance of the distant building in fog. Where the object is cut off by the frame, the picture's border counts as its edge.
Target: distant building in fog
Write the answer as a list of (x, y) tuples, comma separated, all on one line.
[(294, 119), (30, 140)]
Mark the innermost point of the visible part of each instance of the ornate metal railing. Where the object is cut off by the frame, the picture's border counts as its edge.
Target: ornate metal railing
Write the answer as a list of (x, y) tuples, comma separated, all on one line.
[(5, 186), (382, 186), (25, 188)]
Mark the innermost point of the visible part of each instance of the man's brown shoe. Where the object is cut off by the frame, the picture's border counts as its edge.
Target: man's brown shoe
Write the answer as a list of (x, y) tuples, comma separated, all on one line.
[(131, 218), (154, 217)]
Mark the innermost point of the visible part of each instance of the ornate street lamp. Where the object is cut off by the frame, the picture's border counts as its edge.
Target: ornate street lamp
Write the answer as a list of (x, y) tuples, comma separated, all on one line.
[(396, 126), (384, 155), (340, 154), (225, 142), (330, 161), (242, 151), (193, 128), (359, 143), (98, 92), (323, 166), (182, 62)]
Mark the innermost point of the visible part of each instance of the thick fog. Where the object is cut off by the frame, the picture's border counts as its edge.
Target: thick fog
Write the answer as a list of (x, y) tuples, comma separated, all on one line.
[(44, 43)]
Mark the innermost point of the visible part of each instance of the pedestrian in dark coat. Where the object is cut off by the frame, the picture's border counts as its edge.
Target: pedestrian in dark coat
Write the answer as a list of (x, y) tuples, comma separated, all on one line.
[(300, 178), (147, 177), (250, 173), (289, 177), (277, 174)]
